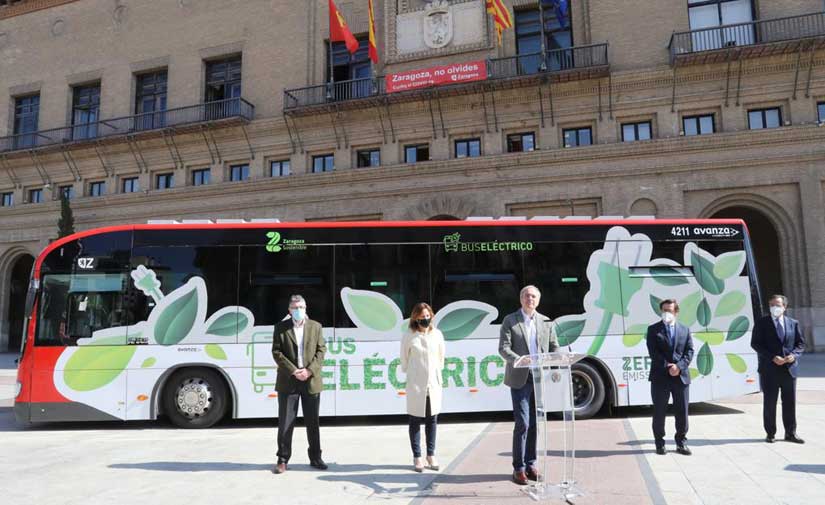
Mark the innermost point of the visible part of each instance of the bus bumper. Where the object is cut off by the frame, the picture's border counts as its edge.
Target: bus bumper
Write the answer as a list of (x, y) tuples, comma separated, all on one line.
[(22, 412)]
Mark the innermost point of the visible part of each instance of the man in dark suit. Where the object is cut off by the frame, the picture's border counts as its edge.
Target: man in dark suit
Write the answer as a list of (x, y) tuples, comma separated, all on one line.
[(524, 332), (298, 349), (778, 343), (671, 351)]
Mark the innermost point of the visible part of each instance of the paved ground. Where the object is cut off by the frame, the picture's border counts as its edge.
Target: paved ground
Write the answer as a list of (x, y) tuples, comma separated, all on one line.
[(370, 462)]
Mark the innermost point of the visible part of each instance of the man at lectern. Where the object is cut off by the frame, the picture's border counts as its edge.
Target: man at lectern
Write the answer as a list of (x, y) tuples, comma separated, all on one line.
[(525, 331), (671, 351)]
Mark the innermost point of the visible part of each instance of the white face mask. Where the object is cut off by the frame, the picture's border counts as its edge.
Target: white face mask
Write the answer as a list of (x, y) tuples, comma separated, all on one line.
[(777, 310), (668, 317)]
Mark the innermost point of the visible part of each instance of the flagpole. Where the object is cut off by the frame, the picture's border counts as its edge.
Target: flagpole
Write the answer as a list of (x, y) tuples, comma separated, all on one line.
[(331, 74), (543, 64)]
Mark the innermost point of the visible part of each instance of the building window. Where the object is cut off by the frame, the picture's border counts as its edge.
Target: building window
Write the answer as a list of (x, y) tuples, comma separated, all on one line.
[(8, 200), (632, 132), (67, 192), (323, 163), (130, 185), (223, 79), (279, 168), (368, 158), (150, 100), (239, 172), (36, 195), (85, 111), (574, 137), (714, 13), (698, 125), (820, 110), (521, 142), (558, 36), (97, 188), (164, 181), (759, 119), (468, 148), (416, 153), (201, 176), (347, 66), (26, 113)]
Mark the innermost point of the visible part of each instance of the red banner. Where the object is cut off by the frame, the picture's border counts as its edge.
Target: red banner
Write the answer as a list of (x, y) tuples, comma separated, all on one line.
[(437, 76)]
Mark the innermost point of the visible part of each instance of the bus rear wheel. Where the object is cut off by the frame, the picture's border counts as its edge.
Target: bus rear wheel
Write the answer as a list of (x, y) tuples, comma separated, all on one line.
[(195, 398), (588, 390)]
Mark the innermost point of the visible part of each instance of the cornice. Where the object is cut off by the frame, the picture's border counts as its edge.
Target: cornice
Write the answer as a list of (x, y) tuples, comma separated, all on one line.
[(27, 6)]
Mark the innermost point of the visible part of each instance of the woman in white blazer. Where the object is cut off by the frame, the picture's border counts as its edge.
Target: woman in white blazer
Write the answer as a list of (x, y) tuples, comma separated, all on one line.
[(422, 359)]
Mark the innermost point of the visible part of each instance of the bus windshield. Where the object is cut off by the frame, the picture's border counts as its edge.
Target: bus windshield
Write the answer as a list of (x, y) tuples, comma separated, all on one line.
[(73, 306)]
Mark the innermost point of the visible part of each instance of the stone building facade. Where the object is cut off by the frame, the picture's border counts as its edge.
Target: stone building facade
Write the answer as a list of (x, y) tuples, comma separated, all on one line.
[(236, 120)]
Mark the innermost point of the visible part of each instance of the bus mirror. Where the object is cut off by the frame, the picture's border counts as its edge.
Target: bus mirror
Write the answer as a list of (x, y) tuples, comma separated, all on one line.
[(31, 295)]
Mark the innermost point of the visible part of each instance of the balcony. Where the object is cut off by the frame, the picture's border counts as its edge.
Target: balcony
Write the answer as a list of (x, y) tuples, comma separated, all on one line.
[(750, 40), (559, 65), (219, 113)]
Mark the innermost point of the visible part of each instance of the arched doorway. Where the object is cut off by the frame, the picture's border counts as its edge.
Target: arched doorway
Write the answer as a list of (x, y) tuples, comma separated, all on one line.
[(18, 285), (765, 242)]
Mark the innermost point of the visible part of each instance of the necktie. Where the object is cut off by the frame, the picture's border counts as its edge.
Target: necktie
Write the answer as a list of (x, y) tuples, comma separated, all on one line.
[(670, 337), (780, 330)]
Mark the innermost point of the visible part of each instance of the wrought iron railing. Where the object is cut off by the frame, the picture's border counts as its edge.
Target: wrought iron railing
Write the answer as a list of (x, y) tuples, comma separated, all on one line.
[(555, 60), (745, 34), (181, 116)]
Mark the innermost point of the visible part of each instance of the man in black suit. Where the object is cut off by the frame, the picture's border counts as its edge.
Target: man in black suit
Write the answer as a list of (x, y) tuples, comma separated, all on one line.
[(298, 349), (778, 343), (671, 351)]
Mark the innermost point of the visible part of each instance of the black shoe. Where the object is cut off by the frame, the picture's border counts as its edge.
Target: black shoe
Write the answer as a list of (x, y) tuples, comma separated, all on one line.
[(319, 464), (793, 438), (661, 451), (683, 450), (770, 439)]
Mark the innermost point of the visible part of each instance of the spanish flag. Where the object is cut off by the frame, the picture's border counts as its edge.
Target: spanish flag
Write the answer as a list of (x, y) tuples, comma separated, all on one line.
[(338, 29), (501, 16), (373, 45)]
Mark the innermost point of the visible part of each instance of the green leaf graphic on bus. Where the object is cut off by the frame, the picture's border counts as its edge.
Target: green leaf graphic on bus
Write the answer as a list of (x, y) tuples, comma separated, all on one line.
[(711, 337), (635, 334), (148, 363), (228, 324), (703, 270), (729, 264), (215, 351), (737, 364), (569, 331), (178, 314), (459, 320), (703, 312), (655, 301), (688, 307), (371, 310), (93, 367), (730, 304), (704, 361), (738, 328)]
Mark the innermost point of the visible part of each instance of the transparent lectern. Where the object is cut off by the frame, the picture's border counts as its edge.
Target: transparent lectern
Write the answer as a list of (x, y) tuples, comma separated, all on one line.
[(553, 386)]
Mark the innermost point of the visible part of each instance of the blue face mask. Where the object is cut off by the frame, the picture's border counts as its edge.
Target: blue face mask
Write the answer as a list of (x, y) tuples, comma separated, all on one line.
[(298, 314)]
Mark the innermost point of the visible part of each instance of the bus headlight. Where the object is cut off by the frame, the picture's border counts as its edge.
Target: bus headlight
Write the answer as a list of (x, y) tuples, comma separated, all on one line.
[(17, 389)]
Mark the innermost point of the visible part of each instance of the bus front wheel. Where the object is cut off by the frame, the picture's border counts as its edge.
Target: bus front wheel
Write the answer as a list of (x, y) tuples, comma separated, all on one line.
[(588, 390), (195, 398)]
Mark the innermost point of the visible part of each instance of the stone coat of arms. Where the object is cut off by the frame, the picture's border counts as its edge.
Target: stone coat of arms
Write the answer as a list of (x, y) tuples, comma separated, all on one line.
[(438, 24)]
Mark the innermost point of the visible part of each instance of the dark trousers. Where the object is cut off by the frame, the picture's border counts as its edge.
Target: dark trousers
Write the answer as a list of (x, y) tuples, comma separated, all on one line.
[(772, 384), (661, 389), (430, 422), (524, 430), (288, 413)]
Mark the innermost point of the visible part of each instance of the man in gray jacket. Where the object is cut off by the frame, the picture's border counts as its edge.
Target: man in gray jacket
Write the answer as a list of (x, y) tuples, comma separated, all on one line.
[(524, 332)]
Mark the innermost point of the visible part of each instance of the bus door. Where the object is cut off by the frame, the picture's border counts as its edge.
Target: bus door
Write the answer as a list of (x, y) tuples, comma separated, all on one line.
[(376, 287)]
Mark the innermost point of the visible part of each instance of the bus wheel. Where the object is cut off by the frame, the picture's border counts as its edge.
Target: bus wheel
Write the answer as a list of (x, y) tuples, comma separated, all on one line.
[(588, 390), (195, 398)]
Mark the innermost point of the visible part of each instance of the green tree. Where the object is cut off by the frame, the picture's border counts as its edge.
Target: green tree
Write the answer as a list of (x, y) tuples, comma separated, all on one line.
[(65, 225)]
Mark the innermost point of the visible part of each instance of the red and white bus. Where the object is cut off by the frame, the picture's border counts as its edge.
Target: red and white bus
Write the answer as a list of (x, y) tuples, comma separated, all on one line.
[(131, 322)]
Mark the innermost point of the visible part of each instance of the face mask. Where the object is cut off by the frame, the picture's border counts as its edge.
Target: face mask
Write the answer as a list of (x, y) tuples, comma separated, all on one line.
[(424, 323), (668, 317), (298, 314), (777, 310)]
